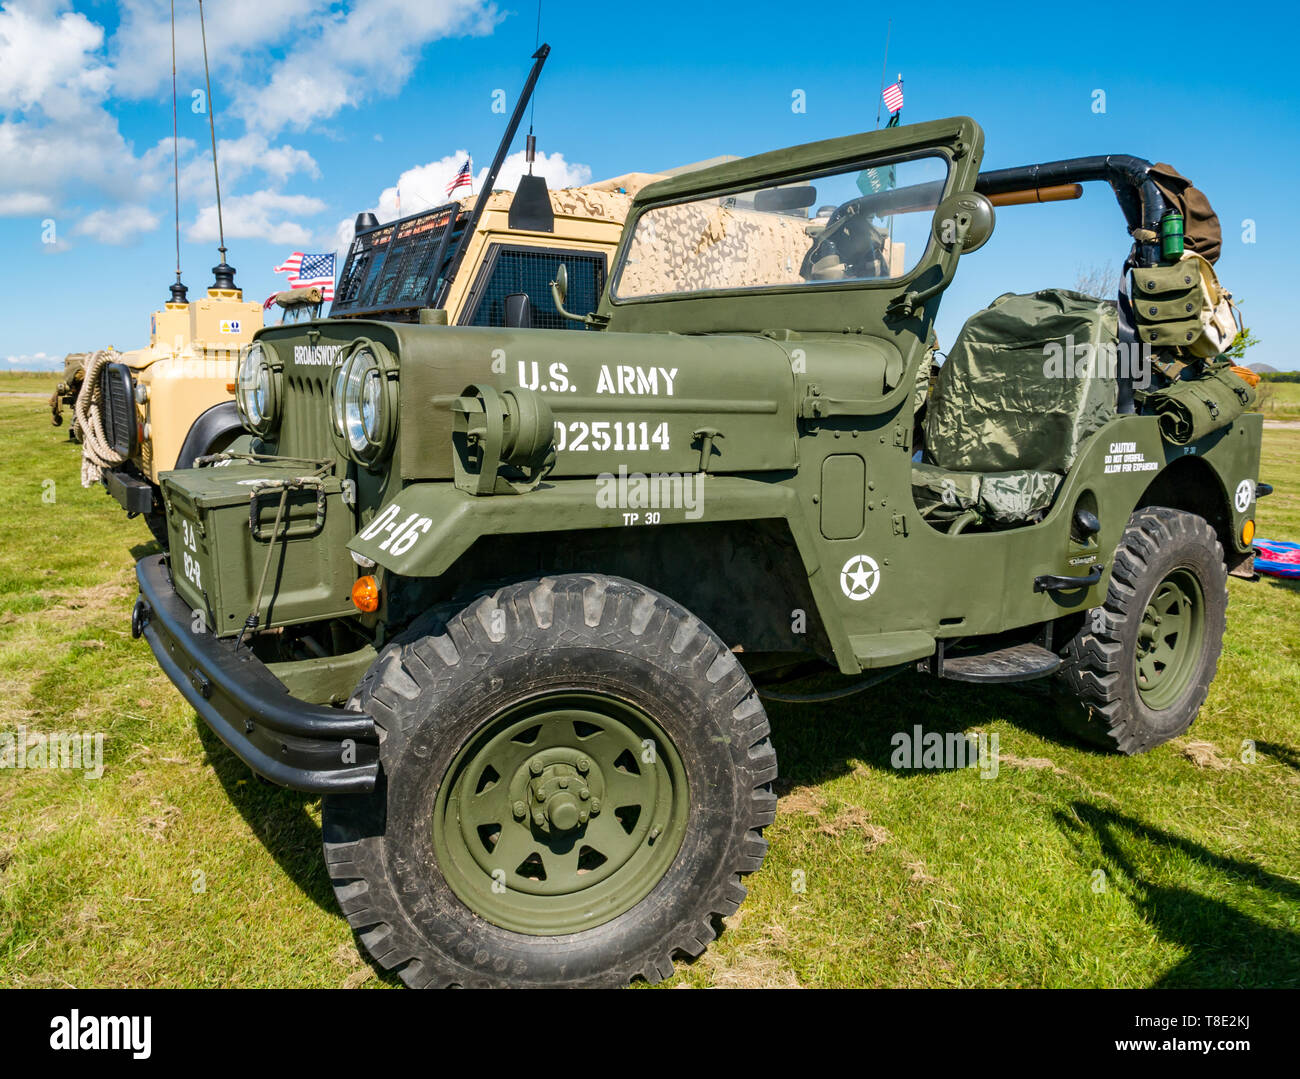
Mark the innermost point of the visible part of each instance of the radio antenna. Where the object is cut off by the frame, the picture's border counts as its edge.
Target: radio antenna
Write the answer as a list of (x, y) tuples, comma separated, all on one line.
[(530, 144), (179, 293), (224, 273), (883, 65)]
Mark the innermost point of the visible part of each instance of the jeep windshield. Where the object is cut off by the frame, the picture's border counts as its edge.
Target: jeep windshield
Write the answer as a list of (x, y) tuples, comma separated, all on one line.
[(870, 222)]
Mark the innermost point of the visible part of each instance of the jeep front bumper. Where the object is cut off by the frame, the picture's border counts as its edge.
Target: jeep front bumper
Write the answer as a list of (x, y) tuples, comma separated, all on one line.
[(135, 495), (308, 747)]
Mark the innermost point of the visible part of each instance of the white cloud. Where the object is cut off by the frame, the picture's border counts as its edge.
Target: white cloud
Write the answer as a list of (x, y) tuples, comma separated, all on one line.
[(558, 172), (238, 32), (35, 361), (49, 61), (117, 225), (55, 131), (238, 158), (365, 50), (263, 215), (426, 185), (52, 157), (25, 204), (275, 64)]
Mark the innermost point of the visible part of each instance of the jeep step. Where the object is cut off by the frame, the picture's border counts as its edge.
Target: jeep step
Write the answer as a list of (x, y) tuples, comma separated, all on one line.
[(1010, 663)]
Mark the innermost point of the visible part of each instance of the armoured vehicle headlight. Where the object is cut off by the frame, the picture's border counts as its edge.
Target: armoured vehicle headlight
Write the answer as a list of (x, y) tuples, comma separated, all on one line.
[(363, 404), (257, 390)]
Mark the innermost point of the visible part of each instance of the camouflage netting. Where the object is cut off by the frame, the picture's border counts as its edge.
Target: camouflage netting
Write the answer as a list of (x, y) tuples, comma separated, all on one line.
[(999, 403), (699, 245), (591, 202)]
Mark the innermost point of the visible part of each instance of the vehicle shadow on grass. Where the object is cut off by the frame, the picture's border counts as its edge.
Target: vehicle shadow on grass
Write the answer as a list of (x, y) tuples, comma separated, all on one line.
[(1285, 755), (1286, 584), (818, 742), (1226, 947), (280, 820)]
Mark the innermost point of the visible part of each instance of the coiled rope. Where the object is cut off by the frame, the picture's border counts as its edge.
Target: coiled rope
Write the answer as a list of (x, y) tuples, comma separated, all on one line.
[(96, 453)]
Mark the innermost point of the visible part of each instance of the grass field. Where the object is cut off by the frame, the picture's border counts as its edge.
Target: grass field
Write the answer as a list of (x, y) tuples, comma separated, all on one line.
[(1070, 868), (1280, 400), (29, 381)]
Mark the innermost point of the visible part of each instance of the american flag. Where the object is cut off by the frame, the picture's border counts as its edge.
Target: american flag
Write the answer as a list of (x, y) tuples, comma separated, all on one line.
[(310, 271), (893, 97), (462, 178)]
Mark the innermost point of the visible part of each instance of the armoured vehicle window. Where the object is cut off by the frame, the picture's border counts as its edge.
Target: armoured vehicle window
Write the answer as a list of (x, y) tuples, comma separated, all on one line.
[(394, 267), (512, 270), (872, 223)]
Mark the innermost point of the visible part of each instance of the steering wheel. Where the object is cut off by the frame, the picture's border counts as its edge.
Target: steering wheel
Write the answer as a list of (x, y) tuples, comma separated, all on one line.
[(850, 236)]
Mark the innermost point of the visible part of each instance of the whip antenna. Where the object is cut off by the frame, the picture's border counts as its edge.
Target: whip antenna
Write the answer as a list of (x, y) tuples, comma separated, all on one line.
[(179, 292), (531, 142), (883, 64), (224, 273)]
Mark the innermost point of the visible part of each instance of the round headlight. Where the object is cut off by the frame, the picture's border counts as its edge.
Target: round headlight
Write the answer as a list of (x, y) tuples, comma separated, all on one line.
[(256, 390), (259, 402), (336, 396), (362, 371), (363, 409), (372, 406)]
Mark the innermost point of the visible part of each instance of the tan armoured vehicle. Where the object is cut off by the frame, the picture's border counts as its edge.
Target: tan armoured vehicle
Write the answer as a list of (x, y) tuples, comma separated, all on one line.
[(484, 260), (165, 405), (148, 410)]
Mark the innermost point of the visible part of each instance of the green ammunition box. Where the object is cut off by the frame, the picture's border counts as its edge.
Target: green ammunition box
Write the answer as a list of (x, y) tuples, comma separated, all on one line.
[(221, 524)]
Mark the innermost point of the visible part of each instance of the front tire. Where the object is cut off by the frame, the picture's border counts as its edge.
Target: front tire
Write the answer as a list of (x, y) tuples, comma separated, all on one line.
[(575, 776), (1138, 670), (157, 524)]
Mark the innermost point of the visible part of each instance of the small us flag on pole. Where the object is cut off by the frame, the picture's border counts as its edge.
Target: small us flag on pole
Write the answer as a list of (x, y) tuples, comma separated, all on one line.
[(462, 178), (893, 97), (310, 271)]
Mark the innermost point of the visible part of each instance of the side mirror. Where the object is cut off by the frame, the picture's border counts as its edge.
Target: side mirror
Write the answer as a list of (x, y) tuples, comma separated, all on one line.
[(560, 287), (560, 292), (518, 311), (964, 220)]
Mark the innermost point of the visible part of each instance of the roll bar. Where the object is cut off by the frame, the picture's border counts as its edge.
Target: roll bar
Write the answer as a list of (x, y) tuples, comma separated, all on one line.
[(1138, 196)]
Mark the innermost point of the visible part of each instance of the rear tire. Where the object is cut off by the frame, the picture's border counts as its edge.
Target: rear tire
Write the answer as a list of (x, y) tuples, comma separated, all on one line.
[(1139, 668), (483, 710)]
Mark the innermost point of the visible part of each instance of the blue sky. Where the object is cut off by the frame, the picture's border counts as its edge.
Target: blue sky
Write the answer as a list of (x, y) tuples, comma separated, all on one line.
[(323, 106)]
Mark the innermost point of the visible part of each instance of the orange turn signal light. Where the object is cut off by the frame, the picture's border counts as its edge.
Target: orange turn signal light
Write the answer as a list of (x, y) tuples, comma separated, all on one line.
[(1247, 533), (365, 594), (230, 387)]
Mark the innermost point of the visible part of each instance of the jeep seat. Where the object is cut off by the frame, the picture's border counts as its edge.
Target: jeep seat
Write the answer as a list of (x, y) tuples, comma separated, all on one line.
[(1028, 379)]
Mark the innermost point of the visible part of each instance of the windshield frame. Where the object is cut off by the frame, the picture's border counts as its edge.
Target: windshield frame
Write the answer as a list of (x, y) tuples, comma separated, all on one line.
[(752, 184)]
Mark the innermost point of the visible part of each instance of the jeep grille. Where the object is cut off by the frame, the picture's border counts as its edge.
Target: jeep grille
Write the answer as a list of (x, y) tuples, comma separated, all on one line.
[(305, 428), (117, 408)]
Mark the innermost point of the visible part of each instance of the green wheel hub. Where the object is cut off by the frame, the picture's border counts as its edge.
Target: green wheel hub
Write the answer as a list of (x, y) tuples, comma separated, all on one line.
[(560, 813), (1170, 639)]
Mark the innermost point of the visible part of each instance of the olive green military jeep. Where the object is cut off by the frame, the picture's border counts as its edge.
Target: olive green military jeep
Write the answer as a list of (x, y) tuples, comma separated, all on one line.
[(510, 600)]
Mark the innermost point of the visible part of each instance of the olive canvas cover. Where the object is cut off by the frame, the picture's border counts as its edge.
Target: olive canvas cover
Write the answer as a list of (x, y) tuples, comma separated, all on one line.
[(1201, 401), (1027, 381), (1000, 498)]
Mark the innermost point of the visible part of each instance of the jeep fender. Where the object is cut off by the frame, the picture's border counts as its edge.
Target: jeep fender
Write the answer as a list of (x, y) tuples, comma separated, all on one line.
[(428, 526)]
